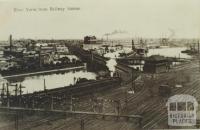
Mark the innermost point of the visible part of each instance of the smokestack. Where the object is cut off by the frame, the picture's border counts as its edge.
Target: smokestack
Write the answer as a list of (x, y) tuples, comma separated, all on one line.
[(10, 40), (40, 62), (198, 46), (133, 45)]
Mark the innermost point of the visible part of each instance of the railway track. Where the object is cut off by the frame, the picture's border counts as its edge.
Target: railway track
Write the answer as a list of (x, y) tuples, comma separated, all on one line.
[(149, 105), (186, 90), (154, 107), (158, 115)]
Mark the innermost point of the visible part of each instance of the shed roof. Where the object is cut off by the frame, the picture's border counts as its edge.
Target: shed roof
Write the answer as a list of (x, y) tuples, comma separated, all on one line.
[(156, 58)]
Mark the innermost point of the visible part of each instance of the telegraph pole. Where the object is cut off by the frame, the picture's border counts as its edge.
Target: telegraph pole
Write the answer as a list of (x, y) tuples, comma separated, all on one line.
[(126, 101), (199, 55), (82, 124), (16, 121), (8, 95), (20, 93), (33, 101), (117, 107), (133, 82), (16, 90), (71, 103), (52, 102), (2, 91)]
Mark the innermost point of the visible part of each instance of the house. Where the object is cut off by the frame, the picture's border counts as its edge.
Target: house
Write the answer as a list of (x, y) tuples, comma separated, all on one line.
[(90, 40), (13, 51), (91, 43), (41, 44), (118, 47), (156, 64), (62, 49), (104, 49), (141, 51), (46, 58), (110, 49), (47, 49)]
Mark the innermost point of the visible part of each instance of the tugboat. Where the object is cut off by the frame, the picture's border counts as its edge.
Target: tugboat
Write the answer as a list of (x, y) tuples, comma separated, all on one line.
[(192, 50)]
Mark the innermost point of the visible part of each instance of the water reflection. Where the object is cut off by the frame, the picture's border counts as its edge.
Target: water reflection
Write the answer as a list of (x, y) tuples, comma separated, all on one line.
[(36, 83), (169, 52)]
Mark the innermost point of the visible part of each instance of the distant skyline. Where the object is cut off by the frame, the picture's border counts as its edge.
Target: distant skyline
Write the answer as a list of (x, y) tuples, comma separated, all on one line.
[(118, 18)]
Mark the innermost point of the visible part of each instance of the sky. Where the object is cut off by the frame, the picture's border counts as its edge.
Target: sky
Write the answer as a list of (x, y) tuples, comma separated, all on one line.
[(130, 18)]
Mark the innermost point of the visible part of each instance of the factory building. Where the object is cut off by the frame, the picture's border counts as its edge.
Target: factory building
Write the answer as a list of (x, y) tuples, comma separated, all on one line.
[(156, 64)]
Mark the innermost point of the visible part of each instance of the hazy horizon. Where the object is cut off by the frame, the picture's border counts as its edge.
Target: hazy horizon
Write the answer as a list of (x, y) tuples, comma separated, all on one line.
[(117, 19)]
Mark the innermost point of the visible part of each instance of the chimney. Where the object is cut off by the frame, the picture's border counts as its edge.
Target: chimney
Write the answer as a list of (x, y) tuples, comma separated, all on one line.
[(10, 40), (198, 46), (133, 45)]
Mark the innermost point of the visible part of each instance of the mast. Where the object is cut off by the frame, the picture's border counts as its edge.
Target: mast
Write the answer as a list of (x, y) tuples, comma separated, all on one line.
[(45, 85)]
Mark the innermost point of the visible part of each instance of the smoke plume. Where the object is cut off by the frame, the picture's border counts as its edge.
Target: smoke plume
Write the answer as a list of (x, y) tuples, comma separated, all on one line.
[(115, 32), (111, 64)]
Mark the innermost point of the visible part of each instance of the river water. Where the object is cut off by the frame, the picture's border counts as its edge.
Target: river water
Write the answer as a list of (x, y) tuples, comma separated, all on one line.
[(165, 51), (36, 83), (169, 52)]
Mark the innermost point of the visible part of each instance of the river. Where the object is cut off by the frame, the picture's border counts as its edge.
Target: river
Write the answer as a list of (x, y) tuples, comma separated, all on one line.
[(169, 52), (36, 83)]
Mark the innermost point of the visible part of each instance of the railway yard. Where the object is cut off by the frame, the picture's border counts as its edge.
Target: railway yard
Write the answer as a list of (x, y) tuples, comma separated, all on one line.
[(132, 102)]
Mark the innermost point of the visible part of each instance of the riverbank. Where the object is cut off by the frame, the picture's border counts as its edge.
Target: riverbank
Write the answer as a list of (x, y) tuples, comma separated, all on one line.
[(44, 72)]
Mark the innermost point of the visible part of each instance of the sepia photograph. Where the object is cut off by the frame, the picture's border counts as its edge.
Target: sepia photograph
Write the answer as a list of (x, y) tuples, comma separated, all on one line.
[(99, 64)]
